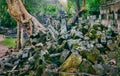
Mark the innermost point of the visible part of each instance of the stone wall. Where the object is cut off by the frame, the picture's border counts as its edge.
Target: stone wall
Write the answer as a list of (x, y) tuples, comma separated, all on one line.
[(110, 12)]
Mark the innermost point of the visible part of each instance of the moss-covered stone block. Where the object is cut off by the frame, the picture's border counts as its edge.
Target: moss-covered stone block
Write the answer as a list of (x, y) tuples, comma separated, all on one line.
[(111, 47), (96, 51), (72, 62), (86, 67)]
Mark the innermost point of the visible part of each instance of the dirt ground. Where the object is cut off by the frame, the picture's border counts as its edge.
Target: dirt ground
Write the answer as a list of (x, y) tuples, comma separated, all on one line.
[(3, 48)]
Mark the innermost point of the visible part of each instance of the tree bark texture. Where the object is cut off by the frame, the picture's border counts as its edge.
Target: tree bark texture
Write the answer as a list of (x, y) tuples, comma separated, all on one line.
[(25, 21), (78, 11)]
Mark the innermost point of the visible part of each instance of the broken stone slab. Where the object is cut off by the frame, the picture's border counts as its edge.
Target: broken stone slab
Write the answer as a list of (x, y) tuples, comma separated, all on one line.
[(63, 28), (79, 46), (109, 70), (102, 48), (39, 44), (57, 25), (19, 55), (48, 73), (43, 53), (73, 29), (31, 60), (71, 42), (98, 34), (61, 46), (25, 55), (109, 32), (86, 38), (97, 21), (86, 67), (111, 47), (84, 43), (77, 35), (99, 45), (93, 41), (53, 32), (3, 73), (6, 60), (86, 27), (109, 42), (49, 45), (1, 60), (71, 64), (63, 37), (51, 67), (90, 46), (27, 48), (113, 62), (55, 55), (16, 62), (14, 53), (13, 69), (96, 51), (99, 69), (103, 40), (109, 37), (39, 37), (64, 55), (8, 66), (93, 58)]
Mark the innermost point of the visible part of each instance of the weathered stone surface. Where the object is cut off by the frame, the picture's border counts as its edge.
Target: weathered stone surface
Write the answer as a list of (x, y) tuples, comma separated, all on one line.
[(96, 51), (86, 67), (8, 65), (25, 55), (71, 64), (63, 28), (111, 47), (64, 55), (99, 69)]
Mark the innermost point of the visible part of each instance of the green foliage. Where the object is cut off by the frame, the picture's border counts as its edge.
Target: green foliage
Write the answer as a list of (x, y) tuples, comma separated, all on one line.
[(32, 6), (38, 7), (93, 5), (51, 9), (5, 19), (71, 7)]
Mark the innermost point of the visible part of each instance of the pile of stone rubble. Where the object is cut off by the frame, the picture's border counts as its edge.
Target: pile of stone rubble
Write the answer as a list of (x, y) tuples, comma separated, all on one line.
[(65, 50)]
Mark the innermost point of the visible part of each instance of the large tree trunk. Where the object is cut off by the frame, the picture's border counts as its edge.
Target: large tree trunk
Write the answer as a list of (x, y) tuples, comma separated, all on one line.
[(24, 20), (78, 11)]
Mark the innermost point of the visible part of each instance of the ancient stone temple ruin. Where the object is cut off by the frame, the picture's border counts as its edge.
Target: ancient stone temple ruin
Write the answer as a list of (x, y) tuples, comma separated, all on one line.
[(110, 12)]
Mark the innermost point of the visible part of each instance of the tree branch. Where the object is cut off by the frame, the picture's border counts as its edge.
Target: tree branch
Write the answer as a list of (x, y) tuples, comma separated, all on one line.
[(73, 19)]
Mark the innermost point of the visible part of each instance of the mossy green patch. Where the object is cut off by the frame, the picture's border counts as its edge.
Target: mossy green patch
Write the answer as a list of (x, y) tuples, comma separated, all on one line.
[(9, 42)]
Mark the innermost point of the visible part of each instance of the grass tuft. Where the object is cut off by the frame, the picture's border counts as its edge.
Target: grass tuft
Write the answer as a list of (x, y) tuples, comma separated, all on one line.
[(9, 42)]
